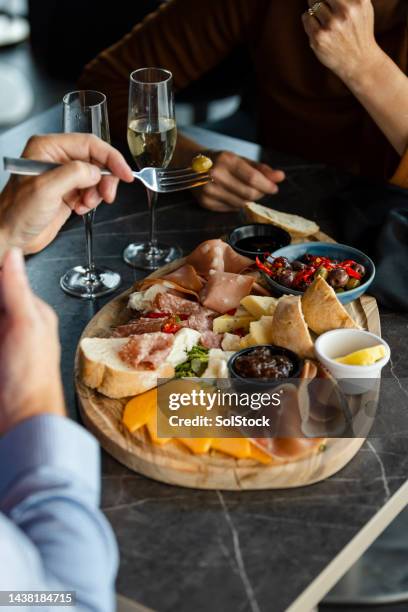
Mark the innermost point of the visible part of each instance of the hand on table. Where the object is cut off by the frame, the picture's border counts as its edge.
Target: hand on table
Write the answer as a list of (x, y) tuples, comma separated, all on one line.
[(30, 379), (341, 33), (237, 180), (33, 209)]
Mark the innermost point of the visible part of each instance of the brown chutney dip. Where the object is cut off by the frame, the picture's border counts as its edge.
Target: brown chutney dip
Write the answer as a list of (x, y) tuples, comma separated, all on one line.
[(262, 362)]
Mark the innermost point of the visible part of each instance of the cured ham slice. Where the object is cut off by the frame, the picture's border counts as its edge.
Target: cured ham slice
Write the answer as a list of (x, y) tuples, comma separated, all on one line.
[(224, 291), (211, 340), (201, 321), (186, 277), (166, 285), (147, 350), (284, 450), (217, 255), (167, 302), (138, 326)]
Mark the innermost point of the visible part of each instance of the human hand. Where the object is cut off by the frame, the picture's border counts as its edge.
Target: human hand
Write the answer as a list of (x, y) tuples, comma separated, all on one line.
[(237, 180), (30, 379), (33, 209), (341, 33)]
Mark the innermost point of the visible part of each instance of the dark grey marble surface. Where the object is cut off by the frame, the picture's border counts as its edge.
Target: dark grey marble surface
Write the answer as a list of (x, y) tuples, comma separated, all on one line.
[(195, 550)]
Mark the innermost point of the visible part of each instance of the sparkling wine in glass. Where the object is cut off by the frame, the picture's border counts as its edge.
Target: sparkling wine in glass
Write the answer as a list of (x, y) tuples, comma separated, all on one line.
[(152, 136), (86, 112)]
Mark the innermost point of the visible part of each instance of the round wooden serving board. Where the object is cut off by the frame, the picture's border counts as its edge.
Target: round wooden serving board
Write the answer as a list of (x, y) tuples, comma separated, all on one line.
[(173, 463)]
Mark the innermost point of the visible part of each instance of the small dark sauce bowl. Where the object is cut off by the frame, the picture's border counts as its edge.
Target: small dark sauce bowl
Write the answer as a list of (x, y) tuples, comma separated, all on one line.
[(259, 383), (258, 238)]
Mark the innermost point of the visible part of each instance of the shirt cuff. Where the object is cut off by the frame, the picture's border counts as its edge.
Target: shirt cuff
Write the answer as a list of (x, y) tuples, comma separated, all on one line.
[(49, 441)]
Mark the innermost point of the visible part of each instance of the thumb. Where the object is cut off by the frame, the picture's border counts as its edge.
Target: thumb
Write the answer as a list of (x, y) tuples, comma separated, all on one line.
[(55, 184), (16, 297)]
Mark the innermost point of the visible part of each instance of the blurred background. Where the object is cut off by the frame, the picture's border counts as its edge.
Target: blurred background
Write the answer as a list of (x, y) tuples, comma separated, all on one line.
[(39, 63)]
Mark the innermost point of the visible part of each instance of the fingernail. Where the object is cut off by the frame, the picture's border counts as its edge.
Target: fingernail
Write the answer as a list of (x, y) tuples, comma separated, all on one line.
[(16, 258)]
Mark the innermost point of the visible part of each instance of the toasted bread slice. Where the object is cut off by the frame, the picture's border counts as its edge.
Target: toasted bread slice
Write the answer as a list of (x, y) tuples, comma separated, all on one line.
[(295, 225), (101, 368)]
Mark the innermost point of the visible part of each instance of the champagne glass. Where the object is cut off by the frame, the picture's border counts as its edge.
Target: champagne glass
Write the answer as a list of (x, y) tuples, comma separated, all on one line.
[(151, 136), (87, 112)]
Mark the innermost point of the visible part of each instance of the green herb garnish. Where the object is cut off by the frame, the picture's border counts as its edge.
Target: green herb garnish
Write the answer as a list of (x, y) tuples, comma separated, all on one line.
[(195, 365)]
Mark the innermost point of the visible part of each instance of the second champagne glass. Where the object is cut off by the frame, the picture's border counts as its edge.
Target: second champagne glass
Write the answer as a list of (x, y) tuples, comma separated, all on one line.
[(152, 135), (87, 112)]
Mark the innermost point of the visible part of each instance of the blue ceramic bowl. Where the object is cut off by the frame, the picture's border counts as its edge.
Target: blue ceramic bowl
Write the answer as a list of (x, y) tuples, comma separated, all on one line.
[(326, 249)]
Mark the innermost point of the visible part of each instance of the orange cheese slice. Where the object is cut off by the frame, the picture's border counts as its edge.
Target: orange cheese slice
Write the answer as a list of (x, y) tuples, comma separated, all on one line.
[(237, 447), (259, 455), (198, 446), (139, 410), (152, 429)]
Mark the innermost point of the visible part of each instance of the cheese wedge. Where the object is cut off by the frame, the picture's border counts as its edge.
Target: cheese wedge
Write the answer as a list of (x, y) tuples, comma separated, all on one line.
[(139, 410), (259, 455), (259, 305), (228, 323), (152, 429), (261, 331), (198, 446)]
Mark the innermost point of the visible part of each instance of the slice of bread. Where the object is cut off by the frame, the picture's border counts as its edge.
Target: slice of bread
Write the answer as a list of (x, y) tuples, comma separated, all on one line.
[(101, 368), (295, 225)]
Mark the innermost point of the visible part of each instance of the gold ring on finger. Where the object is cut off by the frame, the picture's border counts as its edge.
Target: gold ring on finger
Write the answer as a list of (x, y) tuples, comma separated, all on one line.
[(315, 8)]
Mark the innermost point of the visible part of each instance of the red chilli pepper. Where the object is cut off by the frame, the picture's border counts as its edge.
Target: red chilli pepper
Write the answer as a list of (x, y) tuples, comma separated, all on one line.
[(351, 272), (156, 315), (170, 328), (263, 267), (304, 275)]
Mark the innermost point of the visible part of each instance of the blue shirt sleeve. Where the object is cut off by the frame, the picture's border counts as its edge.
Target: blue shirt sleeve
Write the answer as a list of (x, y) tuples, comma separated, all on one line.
[(52, 534)]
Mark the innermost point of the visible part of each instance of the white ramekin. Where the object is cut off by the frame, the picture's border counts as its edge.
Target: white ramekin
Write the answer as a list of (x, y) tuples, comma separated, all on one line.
[(341, 342)]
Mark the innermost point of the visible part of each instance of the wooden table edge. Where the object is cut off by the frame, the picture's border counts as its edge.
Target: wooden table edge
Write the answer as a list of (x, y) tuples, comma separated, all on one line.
[(336, 569)]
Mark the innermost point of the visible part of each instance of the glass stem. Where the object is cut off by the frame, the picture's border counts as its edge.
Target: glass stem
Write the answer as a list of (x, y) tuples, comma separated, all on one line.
[(152, 198), (88, 220)]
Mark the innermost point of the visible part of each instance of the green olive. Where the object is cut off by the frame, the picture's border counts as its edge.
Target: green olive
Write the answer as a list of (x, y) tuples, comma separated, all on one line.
[(323, 272), (201, 163), (353, 283)]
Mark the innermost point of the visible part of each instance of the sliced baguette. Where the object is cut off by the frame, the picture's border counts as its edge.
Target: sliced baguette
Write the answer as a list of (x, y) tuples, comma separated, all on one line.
[(101, 368), (295, 225)]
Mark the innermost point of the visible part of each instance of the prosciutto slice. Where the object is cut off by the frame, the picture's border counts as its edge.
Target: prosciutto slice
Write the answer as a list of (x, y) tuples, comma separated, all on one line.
[(186, 277), (224, 291), (218, 256), (147, 351)]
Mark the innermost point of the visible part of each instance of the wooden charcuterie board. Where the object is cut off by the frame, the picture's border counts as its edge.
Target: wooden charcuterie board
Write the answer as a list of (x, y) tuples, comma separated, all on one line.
[(172, 463)]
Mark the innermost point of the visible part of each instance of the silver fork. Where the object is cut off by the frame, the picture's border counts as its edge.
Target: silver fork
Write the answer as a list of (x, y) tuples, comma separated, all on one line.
[(156, 179)]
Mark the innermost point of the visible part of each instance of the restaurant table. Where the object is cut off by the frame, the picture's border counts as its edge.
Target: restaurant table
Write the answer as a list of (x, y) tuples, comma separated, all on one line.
[(185, 549)]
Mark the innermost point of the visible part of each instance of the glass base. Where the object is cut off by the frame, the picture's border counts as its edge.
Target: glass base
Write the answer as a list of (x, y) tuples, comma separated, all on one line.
[(147, 257), (79, 282)]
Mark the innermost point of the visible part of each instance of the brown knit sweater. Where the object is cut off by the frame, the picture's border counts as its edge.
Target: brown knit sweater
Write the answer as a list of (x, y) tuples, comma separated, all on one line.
[(303, 108)]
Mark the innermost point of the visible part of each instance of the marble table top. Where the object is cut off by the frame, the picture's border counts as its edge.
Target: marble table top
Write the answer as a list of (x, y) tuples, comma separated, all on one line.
[(232, 551)]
